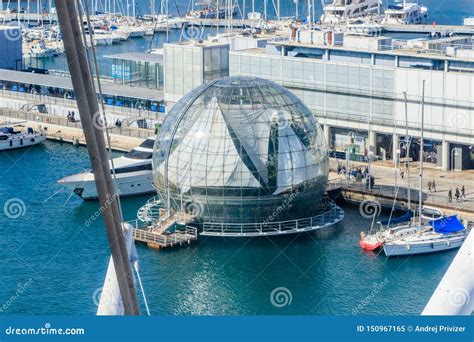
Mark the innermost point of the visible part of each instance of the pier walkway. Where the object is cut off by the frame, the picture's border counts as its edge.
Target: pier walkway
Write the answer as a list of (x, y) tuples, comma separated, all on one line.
[(387, 188), (166, 230), (59, 128)]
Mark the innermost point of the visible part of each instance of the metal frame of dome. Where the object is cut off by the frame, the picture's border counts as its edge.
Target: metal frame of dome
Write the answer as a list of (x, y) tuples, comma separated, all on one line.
[(258, 222)]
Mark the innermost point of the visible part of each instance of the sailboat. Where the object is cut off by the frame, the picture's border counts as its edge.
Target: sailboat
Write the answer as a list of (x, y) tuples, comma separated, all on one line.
[(437, 235), (394, 227)]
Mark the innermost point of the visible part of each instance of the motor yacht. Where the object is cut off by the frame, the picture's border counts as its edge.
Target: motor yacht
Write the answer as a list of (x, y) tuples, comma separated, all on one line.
[(133, 174)]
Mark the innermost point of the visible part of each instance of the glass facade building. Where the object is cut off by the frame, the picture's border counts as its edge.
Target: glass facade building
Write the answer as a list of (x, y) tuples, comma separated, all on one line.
[(137, 69), (190, 64), (241, 151)]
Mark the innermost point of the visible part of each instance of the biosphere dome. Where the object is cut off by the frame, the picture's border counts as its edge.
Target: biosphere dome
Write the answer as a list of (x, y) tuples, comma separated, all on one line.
[(241, 155)]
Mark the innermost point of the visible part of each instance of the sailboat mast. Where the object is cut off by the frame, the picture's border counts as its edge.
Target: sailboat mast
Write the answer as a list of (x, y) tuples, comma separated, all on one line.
[(407, 155), (421, 150), (84, 88)]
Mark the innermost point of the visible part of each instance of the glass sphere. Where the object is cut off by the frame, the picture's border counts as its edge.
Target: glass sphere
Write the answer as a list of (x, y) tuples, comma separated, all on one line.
[(241, 150)]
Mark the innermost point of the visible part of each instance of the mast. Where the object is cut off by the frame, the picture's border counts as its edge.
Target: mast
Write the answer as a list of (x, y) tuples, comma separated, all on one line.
[(84, 88), (297, 9), (309, 13), (420, 195), (407, 156)]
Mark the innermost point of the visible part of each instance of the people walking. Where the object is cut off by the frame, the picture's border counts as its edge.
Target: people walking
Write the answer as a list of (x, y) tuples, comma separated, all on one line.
[(463, 193), (450, 196), (429, 186), (433, 185), (457, 194)]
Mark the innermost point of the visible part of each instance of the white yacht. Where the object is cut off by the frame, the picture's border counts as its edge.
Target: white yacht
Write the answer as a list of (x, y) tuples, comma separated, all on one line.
[(438, 235), (11, 139), (406, 13), (133, 173), (341, 10), (38, 49)]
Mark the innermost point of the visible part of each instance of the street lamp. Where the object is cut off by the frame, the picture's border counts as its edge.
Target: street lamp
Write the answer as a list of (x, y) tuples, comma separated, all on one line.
[(453, 154)]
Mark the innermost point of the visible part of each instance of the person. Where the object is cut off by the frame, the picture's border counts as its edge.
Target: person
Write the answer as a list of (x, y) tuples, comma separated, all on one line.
[(433, 185), (450, 196), (457, 194), (68, 116), (429, 186), (463, 193), (73, 119), (372, 182), (402, 173), (367, 182)]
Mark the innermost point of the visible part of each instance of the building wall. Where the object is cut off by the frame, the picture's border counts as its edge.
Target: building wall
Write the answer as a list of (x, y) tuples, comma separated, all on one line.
[(188, 66), (11, 48), (359, 93)]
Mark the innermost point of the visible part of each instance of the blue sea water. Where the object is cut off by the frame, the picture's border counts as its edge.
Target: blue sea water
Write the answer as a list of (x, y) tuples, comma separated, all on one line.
[(59, 261)]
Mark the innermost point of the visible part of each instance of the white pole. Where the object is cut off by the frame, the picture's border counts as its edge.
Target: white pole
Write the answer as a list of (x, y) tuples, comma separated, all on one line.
[(421, 152), (265, 4), (297, 9), (278, 10), (309, 13), (407, 155)]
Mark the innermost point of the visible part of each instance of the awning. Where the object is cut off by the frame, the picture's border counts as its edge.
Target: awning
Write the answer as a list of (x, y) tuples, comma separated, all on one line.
[(64, 82)]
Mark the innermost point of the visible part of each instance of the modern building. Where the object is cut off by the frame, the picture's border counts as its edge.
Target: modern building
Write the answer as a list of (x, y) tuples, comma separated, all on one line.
[(137, 69), (356, 86), (190, 64), (244, 157), (11, 53)]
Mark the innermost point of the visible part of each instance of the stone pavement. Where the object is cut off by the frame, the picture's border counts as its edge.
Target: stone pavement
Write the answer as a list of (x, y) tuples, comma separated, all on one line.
[(387, 179)]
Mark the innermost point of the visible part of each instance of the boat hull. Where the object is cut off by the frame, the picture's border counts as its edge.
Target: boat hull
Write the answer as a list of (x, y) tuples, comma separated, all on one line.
[(391, 250), (22, 141), (137, 183), (370, 246)]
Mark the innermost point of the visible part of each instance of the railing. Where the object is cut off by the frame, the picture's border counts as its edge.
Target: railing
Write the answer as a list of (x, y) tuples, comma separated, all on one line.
[(401, 46), (401, 194), (64, 101), (41, 118), (143, 233), (331, 215)]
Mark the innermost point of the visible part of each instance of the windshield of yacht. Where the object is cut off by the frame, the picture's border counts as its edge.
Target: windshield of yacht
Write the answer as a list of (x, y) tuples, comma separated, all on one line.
[(136, 154), (148, 143)]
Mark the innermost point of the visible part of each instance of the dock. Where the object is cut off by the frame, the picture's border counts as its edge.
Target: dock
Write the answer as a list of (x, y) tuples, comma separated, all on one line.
[(386, 193), (58, 128), (158, 228)]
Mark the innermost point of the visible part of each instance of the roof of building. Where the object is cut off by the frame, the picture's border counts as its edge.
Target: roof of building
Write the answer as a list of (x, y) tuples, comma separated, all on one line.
[(138, 56), (64, 82)]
